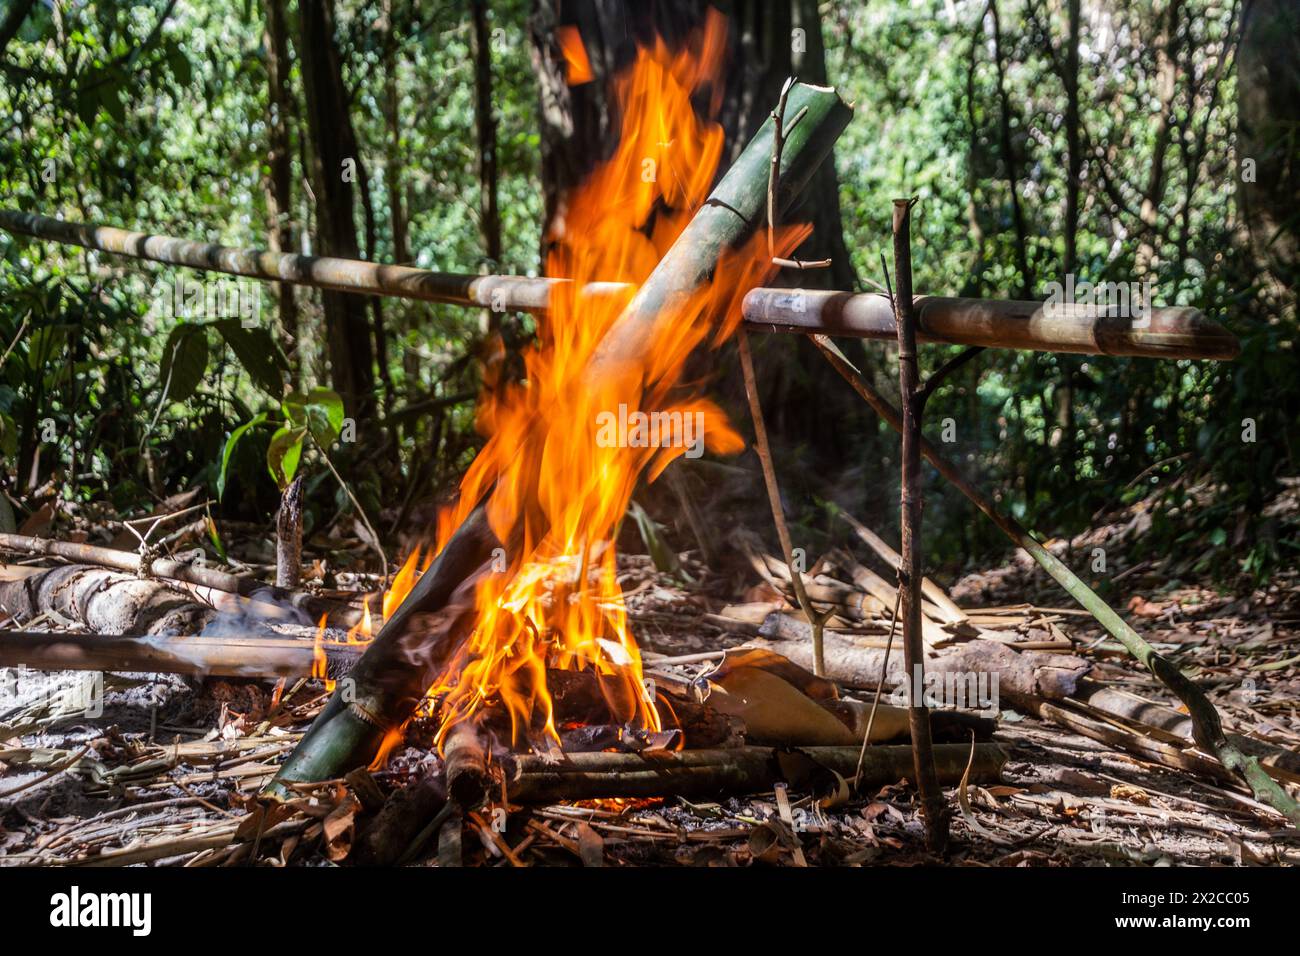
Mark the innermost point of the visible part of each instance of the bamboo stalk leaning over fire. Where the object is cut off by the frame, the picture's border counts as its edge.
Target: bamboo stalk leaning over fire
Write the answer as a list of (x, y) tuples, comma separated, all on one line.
[(1207, 728), (414, 644)]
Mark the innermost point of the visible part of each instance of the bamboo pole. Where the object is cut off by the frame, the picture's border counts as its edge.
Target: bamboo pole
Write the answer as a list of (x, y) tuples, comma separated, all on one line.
[(1207, 729), (1178, 332), (699, 774), (259, 656), (1171, 333), (420, 637)]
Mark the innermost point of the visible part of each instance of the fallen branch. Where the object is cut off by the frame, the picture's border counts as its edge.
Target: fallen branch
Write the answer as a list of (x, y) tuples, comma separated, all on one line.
[(697, 774), (1021, 674), (942, 607), (192, 574), (103, 600), (257, 656)]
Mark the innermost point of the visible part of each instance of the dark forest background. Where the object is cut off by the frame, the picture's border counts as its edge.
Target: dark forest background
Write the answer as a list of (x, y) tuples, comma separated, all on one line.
[(1110, 139)]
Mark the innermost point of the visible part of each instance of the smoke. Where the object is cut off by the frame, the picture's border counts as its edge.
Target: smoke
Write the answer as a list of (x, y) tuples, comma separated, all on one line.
[(258, 613)]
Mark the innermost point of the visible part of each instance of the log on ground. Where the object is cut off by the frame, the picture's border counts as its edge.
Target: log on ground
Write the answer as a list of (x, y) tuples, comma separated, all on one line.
[(697, 774)]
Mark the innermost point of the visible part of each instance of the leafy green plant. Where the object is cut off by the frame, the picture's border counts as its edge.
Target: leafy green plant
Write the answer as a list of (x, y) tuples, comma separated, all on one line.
[(317, 414), (317, 417)]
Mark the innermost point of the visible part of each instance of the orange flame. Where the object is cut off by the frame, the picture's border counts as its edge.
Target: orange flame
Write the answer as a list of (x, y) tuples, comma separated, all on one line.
[(577, 66), (551, 464)]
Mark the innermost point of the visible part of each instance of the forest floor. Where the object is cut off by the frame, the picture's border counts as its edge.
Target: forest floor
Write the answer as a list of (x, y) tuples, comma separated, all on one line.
[(167, 773)]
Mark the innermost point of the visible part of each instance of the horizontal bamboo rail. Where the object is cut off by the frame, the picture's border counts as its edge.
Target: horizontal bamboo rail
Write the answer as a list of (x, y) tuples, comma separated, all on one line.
[(1177, 332), (1170, 332)]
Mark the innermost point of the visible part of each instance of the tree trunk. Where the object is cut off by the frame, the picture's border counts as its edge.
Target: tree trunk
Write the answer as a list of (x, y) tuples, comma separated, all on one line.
[(1073, 149), (279, 198), (1009, 158), (1268, 117), (333, 144), (489, 214), (393, 143)]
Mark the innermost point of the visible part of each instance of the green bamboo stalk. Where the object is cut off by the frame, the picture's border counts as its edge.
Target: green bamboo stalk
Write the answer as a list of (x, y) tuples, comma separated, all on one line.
[(413, 646), (1207, 728)]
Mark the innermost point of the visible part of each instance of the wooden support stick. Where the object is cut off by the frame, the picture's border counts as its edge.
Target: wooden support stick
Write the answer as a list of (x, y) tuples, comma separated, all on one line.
[(288, 537), (909, 568), (816, 621)]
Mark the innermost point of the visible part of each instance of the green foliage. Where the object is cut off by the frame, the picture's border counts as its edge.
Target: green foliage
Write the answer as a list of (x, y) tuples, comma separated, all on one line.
[(148, 113), (318, 414), (184, 360)]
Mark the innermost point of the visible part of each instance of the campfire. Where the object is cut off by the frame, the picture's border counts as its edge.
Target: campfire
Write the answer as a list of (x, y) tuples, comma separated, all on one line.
[(553, 480), (500, 668), (555, 485)]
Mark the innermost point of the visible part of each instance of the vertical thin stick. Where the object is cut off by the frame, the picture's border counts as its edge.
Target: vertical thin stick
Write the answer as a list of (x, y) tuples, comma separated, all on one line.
[(909, 569), (817, 621)]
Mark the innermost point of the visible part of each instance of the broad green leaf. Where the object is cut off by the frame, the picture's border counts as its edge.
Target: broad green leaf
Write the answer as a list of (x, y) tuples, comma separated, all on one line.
[(8, 436), (238, 433), (185, 359), (43, 344), (257, 353), (324, 416), (294, 406), (285, 452)]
